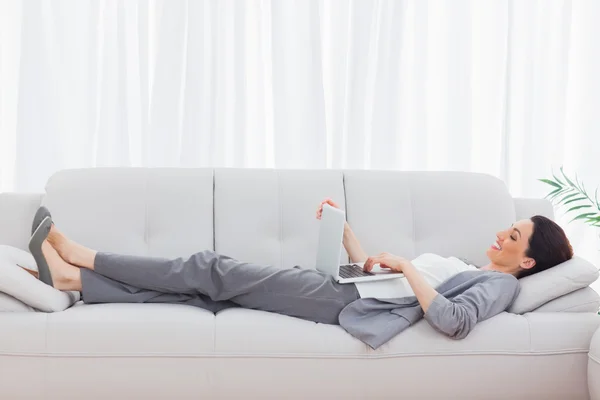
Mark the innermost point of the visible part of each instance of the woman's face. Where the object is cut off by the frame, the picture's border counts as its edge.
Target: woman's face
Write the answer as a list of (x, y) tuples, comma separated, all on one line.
[(508, 252)]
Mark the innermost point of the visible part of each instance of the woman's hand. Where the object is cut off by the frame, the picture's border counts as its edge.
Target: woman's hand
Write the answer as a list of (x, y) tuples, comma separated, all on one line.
[(424, 292), (320, 208), (386, 260)]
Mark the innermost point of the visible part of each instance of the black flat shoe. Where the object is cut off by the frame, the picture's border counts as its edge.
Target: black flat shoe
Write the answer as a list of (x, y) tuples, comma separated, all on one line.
[(35, 247), (40, 214)]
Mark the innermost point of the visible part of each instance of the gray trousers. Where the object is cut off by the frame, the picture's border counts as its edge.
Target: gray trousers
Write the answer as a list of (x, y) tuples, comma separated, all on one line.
[(215, 282)]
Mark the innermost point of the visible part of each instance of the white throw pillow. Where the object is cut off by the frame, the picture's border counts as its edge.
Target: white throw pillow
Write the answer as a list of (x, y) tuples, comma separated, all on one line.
[(10, 304), (540, 288), (21, 285)]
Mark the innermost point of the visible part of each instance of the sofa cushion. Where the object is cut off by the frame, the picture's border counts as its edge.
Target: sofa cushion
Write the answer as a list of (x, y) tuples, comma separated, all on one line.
[(411, 213), (131, 329), (581, 300), (164, 330), (16, 214), (23, 286), (268, 334), (268, 216), (243, 332), (540, 288), (139, 211)]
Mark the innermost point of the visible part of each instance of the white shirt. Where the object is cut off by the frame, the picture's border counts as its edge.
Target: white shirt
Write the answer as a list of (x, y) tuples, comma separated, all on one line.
[(435, 269)]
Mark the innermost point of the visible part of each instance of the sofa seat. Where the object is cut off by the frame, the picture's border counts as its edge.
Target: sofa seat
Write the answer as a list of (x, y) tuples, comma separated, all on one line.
[(131, 330), (169, 330), (194, 348), (266, 334)]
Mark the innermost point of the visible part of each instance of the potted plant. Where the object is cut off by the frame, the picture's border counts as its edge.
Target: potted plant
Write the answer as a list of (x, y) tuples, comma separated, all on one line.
[(572, 195)]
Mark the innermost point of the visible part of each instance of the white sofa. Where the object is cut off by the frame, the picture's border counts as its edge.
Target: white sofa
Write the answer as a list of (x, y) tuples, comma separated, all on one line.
[(151, 351)]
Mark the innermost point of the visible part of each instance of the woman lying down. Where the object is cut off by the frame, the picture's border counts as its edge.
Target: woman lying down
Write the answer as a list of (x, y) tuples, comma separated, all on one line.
[(451, 295)]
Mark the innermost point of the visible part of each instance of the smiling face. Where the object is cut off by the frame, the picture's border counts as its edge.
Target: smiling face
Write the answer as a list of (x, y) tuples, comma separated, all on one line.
[(508, 252)]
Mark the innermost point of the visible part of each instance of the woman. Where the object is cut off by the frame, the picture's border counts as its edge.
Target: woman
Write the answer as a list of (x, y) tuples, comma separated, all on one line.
[(465, 295)]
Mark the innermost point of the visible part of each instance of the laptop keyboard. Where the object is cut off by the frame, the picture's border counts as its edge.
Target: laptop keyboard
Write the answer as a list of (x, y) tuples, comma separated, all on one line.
[(353, 271)]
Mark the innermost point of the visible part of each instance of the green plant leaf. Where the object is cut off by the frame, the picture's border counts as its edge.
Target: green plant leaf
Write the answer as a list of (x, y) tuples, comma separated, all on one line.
[(566, 189), (552, 193), (582, 216), (573, 200), (578, 183), (574, 195), (578, 207), (566, 177), (556, 178), (561, 193), (581, 187), (549, 182), (571, 195), (550, 196)]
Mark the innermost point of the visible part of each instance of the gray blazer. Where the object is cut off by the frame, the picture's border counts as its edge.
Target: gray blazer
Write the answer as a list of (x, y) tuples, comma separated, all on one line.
[(463, 300)]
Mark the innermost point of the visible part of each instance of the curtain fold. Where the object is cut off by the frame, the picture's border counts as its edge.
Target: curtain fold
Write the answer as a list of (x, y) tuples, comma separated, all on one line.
[(510, 88)]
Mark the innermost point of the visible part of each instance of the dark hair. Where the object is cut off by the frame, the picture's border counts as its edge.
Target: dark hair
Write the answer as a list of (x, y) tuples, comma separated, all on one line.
[(548, 246)]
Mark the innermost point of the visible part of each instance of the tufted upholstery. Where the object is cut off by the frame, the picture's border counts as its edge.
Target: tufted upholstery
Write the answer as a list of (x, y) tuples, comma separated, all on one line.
[(268, 216)]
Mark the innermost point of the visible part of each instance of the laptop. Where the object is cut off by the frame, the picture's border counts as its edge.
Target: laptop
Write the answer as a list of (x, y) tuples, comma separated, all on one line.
[(329, 251)]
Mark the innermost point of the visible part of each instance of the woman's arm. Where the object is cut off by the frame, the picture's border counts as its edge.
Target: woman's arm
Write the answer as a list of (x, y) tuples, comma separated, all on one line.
[(457, 316), (352, 245), (424, 292)]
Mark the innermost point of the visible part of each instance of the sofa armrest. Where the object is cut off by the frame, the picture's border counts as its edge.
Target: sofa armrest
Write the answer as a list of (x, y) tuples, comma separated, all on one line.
[(16, 214), (594, 367), (581, 300), (527, 208)]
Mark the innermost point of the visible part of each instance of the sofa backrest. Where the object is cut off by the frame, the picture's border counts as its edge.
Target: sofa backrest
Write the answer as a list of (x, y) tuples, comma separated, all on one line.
[(268, 216), (157, 212)]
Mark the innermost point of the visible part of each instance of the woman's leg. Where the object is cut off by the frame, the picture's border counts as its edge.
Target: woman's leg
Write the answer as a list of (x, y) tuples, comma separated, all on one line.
[(303, 293), (70, 251), (96, 288), (65, 277)]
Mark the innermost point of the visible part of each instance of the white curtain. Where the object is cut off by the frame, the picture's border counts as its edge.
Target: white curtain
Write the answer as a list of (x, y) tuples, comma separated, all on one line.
[(510, 88)]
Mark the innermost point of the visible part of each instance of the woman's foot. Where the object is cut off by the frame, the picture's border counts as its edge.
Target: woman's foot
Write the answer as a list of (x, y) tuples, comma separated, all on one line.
[(30, 271), (65, 277), (70, 251), (36, 241), (40, 216)]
